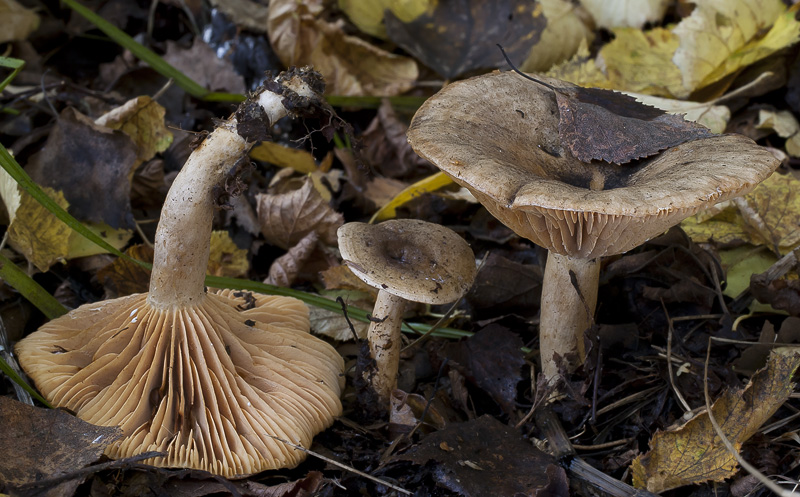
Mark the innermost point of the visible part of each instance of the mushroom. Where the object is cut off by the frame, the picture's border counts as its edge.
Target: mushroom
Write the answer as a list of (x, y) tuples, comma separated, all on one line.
[(208, 378), (406, 260), (497, 135)]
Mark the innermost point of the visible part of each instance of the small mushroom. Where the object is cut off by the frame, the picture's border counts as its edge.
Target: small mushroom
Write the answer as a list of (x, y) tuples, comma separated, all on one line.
[(497, 135), (207, 378), (406, 260)]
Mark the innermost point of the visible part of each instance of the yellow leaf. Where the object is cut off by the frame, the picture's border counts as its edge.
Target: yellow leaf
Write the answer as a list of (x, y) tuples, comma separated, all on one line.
[(16, 22), (713, 117), (426, 185), (581, 70), (769, 216), (142, 119), (368, 16), (281, 156), (79, 246), (33, 231), (225, 258), (694, 453), (785, 125), (641, 62), (740, 263), (722, 36), (561, 39)]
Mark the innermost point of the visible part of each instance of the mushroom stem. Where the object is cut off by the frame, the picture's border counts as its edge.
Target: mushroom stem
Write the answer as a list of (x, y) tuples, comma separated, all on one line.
[(384, 344), (566, 313), (183, 238)]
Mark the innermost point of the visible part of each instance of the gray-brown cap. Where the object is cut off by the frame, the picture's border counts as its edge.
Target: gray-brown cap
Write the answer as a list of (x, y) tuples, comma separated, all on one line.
[(497, 135), (207, 384), (416, 260)]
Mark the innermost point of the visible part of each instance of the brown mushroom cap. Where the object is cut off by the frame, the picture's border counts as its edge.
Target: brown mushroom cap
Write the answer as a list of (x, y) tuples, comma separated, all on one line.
[(497, 135), (416, 260), (206, 384)]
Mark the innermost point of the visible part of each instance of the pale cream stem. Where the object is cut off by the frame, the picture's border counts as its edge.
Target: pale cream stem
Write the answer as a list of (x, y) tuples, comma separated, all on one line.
[(564, 317), (385, 342)]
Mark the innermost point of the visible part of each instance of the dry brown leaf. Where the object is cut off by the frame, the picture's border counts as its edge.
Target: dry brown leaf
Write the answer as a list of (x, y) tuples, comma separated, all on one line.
[(123, 277), (694, 453), (286, 218), (333, 324), (350, 65), (201, 63), (342, 278), (142, 119), (285, 268)]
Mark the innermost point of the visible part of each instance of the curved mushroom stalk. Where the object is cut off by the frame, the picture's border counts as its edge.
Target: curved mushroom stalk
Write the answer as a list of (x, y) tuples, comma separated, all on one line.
[(209, 379), (569, 297)]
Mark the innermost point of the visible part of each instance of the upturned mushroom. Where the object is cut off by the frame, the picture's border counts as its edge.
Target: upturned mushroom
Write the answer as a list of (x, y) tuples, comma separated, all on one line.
[(498, 136), (406, 260), (207, 378)]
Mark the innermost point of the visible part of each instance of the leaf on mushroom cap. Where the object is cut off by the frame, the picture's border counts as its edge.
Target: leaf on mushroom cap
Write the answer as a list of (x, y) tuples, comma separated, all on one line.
[(497, 135), (206, 384), (416, 260)]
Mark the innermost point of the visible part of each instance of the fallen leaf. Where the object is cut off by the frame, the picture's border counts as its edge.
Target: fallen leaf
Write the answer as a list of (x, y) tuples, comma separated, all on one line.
[(503, 285), (739, 263), (386, 149), (693, 453), (713, 117), (245, 14), (755, 356), (142, 119), (200, 63), (333, 324), (567, 28), (284, 270), (625, 13), (123, 277), (225, 258), (582, 69), (91, 165), (46, 443), (80, 246), (492, 359), (350, 65), (286, 218), (785, 125), (782, 293), (421, 187), (32, 230), (457, 37), (342, 278), (301, 161), (769, 215), (485, 457), (16, 22)]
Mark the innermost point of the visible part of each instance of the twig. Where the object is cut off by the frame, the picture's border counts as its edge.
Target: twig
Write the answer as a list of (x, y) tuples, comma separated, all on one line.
[(343, 466), (670, 330)]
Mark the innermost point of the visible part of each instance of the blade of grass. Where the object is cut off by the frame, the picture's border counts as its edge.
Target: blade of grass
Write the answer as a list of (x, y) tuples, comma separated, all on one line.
[(29, 289), (9, 371), (151, 58), (15, 64)]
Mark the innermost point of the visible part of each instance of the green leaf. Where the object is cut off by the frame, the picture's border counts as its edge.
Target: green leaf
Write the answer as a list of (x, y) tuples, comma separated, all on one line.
[(10, 63)]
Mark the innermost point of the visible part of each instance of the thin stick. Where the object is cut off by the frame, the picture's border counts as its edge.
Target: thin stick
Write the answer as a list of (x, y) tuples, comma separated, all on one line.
[(343, 466), (774, 487), (682, 400), (514, 68)]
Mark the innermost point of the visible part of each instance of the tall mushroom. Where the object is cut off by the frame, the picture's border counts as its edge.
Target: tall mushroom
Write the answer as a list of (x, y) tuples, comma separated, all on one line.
[(498, 136), (207, 378), (406, 260)]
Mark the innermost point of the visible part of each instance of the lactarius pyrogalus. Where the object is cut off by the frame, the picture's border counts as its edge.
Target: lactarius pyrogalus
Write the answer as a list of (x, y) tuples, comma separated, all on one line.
[(207, 378), (498, 136), (406, 260)]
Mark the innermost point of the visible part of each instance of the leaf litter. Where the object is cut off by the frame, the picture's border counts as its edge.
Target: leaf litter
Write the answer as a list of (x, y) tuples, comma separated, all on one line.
[(451, 430)]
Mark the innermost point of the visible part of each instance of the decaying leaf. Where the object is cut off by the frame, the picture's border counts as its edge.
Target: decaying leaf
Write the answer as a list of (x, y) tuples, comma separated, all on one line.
[(350, 65), (201, 63), (123, 277), (625, 13), (288, 217), (567, 28), (33, 231), (301, 161), (457, 37), (91, 165), (284, 269), (755, 356), (333, 324), (491, 359), (142, 119), (46, 443), (693, 453), (342, 278), (713, 117), (769, 215), (368, 16), (485, 457), (781, 293), (79, 246), (16, 22), (225, 258)]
